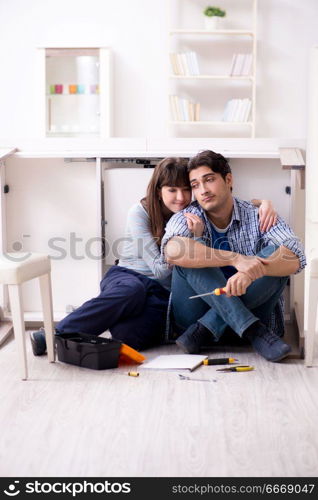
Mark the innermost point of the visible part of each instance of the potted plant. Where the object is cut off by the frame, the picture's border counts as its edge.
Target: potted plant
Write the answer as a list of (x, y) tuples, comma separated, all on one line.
[(212, 16)]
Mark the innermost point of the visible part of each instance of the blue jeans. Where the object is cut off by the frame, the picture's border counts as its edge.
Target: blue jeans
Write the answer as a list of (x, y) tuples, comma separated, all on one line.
[(218, 312)]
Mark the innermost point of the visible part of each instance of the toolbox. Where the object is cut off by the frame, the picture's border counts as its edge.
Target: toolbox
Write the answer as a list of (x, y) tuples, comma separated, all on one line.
[(88, 351)]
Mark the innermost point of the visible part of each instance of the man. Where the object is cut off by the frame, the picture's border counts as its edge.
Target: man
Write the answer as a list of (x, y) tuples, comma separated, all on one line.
[(253, 266)]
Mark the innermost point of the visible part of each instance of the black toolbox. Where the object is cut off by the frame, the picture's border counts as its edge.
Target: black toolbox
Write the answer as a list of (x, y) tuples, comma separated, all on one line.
[(88, 351)]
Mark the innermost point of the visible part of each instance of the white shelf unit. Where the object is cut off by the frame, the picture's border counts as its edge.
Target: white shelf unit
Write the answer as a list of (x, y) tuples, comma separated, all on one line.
[(75, 92), (214, 122), (186, 37)]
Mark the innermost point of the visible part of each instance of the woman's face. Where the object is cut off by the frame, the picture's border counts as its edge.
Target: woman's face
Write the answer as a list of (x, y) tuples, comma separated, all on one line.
[(175, 198)]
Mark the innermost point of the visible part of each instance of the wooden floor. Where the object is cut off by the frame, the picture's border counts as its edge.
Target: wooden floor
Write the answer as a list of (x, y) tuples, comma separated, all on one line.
[(68, 421)]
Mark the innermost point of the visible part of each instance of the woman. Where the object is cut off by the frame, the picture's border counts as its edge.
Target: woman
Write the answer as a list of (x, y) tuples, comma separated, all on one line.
[(134, 295)]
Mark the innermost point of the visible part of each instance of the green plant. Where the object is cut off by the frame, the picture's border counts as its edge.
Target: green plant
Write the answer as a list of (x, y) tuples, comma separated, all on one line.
[(214, 11)]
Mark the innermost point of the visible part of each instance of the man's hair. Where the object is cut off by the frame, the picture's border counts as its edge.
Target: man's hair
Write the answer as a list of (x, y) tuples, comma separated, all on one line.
[(215, 161)]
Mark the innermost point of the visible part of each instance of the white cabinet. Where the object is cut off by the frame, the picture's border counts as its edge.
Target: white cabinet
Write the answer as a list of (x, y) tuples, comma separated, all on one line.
[(75, 94), (212, 90)]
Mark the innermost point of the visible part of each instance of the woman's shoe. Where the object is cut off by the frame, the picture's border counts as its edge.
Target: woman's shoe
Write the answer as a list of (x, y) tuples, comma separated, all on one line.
[(38, 342)]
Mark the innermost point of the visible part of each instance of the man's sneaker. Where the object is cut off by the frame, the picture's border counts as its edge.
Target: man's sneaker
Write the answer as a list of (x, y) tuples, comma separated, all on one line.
[(266, 343), (38, 342), (194, 338)]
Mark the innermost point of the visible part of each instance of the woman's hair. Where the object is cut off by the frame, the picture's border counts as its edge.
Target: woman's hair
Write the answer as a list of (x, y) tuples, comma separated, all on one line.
[(169, 172)]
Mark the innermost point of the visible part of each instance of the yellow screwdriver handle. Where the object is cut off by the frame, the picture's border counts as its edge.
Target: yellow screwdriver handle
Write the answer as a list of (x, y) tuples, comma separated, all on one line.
[(244, 368)]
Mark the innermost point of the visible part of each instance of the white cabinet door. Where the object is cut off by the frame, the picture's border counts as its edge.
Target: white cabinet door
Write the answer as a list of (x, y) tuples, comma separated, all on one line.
[(51, 208)]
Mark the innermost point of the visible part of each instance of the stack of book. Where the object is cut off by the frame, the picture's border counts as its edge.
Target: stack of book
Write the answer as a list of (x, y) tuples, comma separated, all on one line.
[(241, 65), (237, 110), (184, 110), (184, 64)]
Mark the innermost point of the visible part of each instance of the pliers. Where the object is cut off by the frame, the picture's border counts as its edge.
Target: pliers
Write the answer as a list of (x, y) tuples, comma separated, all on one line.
[(242, 368)]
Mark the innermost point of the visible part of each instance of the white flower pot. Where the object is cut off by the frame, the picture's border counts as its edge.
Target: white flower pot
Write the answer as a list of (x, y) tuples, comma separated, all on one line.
[(211, 22)]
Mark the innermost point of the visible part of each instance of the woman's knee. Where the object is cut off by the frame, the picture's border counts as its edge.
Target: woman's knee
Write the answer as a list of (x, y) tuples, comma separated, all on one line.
[(128, 287)]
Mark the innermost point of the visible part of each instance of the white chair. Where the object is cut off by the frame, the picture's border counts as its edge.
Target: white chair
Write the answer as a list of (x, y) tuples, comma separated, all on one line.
[(312, 313), (15, 269)]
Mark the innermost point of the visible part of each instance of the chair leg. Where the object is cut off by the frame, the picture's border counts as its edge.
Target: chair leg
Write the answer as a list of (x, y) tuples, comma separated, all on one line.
[(46, 297), (16, 304), (312, 318)]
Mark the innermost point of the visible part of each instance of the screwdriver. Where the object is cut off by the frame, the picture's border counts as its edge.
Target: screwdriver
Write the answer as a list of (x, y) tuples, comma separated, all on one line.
[(242, 368), (217, 291), (219, 361)]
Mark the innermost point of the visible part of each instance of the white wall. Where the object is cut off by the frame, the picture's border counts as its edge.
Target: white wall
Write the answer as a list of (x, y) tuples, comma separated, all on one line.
[(52, 207), (136, 30)]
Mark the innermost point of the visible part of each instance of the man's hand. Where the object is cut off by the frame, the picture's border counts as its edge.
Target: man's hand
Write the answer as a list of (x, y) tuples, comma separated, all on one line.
[(254, 267), (237, 284)]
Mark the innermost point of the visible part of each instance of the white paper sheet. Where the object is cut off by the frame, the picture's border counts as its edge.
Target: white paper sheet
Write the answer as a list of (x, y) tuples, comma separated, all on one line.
[(175, 362)]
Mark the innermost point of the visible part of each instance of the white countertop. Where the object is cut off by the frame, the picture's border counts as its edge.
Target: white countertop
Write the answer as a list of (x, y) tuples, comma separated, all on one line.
[(5, 152), (150, 148)]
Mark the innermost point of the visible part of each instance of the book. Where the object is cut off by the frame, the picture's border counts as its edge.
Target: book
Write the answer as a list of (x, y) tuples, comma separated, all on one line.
[(190, 63), (173, 63), (232, 110), (191, 111), (237, 70), (247, 110), (239, 112), (195, 64), (175, 362), (197, 112), (184, 109), (241, 65), (183, 63), (233, 64), (225, 115), (173, 108), (178, 64), (247, 65)]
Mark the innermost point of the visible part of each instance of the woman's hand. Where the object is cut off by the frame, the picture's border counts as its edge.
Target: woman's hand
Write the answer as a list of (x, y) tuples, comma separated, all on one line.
[(267, 215), (195, 224)]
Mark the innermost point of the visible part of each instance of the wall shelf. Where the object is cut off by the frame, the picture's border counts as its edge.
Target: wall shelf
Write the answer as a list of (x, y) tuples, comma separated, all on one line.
[(206, 122), (214, 32), (211, 77)]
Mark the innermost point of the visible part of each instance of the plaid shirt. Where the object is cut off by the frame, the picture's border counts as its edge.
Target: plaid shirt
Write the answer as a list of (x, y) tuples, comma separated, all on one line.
[(244, 237)]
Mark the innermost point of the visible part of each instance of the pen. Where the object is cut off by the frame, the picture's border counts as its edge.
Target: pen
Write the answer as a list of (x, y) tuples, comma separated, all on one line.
[(219, 361), (217, 291), (236, 369)]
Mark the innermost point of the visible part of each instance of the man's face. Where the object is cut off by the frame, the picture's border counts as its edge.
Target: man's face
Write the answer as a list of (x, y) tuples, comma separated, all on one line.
[(210, 189)]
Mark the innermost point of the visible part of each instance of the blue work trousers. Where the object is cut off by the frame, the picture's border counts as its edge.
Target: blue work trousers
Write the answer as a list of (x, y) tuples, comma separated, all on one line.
[(132, 306), (218, 312)]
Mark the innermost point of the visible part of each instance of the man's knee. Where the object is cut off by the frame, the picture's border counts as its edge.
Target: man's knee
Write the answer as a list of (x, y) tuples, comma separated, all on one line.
[(271, 285)]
